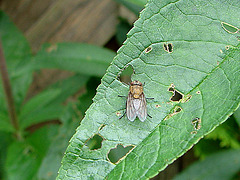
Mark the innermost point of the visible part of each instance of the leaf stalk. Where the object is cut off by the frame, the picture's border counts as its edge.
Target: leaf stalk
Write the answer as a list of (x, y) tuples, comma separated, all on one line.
[(8, 92)]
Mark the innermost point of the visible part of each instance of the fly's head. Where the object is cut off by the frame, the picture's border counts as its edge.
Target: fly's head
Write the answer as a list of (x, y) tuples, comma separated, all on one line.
[(136, 89)]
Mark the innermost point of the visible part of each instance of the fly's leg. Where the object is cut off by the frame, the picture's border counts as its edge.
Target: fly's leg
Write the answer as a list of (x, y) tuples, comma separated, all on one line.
[(122, 96), (149, 116), (122, 115), (149, 98), (125, 111)]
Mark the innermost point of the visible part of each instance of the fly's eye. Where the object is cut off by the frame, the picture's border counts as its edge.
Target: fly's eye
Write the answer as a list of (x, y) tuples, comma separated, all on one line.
[(136, 83)]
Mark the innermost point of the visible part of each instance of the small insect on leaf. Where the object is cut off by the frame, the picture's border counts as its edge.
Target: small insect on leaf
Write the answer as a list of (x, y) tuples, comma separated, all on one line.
[(136, 105)]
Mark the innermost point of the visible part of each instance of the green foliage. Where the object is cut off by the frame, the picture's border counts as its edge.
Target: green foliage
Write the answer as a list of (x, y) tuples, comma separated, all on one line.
[(133, 5), (203, 66), (52, 160), (33, 151), (222, 165), (122, 29), (17, 55), (227, 133), (28, 154), (225, 136), (237, 116), (191, 48)]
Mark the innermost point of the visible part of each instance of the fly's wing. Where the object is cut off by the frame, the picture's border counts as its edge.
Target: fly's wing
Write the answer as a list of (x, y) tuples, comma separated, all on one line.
[(142, 108), (130, 109)]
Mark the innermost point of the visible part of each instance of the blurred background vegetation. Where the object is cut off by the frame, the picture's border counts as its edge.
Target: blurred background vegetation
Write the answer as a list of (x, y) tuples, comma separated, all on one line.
[(56, 53)]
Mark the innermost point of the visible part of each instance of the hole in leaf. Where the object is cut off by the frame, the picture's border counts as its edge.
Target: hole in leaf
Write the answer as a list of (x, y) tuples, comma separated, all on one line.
[(186, 98), (157, 105), (148, 49), (196, 122), (227, 47), (229, 28), (165, 47), (125, 74), (168, 47), (118, 153), (194, 132), (177, 109), (198, 92), (95, 142), (177, 96), (171, 89)]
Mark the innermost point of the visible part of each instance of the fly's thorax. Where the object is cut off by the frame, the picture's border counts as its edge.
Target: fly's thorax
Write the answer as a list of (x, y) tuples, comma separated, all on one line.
[(136, 91)]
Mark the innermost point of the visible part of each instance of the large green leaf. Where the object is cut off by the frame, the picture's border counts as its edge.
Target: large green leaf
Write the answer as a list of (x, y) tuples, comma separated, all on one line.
[(80, 58), (203, 66), (223, 165)]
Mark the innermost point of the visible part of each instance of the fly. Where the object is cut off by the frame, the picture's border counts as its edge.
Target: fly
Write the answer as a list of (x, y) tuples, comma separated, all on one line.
[(136, 105)]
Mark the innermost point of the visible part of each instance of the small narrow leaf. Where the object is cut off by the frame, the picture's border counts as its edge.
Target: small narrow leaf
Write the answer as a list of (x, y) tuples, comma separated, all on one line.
[(68, 87), (49, 112), (33, 107), (75, 57), (39, 101), (48, 104)]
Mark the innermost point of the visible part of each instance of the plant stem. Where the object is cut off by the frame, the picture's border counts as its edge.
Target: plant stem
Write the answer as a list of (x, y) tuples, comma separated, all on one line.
[(8, 91)]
